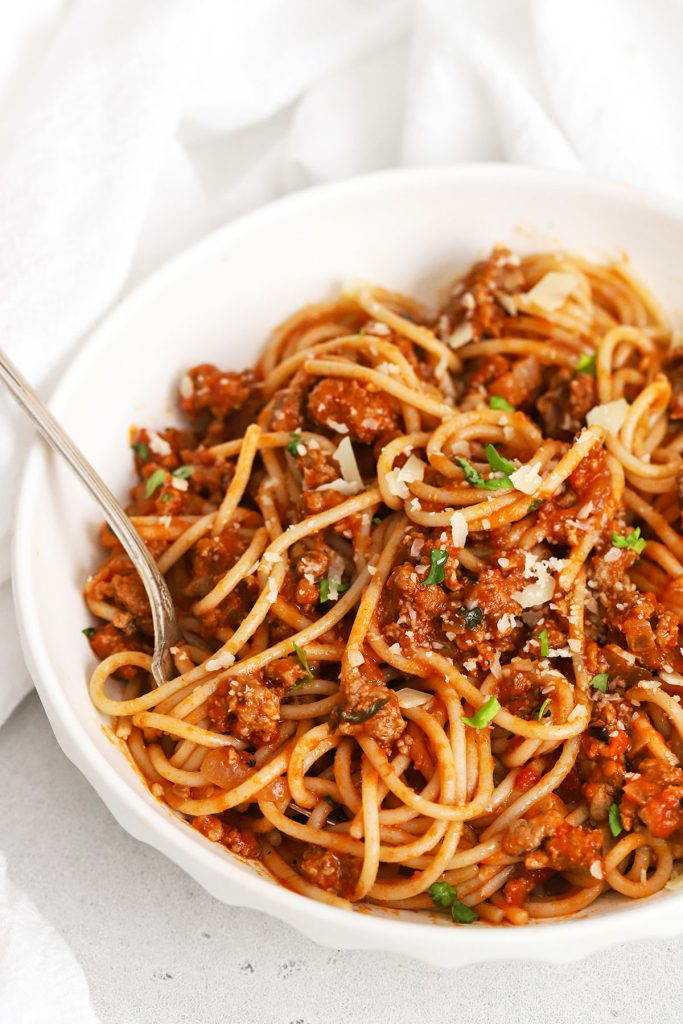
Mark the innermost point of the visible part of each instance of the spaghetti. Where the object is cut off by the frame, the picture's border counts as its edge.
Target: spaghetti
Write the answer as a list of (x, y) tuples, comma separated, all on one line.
[(429, 572)]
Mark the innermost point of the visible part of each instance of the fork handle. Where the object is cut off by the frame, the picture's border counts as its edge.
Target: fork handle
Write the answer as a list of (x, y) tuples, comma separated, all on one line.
[(166, 630)]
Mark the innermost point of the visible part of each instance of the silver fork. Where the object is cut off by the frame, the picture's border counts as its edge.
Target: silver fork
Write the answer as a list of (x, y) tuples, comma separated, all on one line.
[(166, 629)]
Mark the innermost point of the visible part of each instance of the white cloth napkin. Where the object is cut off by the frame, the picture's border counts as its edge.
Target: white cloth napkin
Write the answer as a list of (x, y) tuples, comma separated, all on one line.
[(128, 128), (40, 981)]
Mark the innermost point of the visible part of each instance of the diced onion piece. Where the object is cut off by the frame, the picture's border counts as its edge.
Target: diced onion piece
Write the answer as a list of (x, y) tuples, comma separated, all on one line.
[(345, 456), (410, 698), (611, 415), (552, 291), (459, 529), (527, 479), (462, 334)]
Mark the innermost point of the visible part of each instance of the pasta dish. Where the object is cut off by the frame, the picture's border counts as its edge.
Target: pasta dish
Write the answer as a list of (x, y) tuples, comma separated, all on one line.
[(429, 573)]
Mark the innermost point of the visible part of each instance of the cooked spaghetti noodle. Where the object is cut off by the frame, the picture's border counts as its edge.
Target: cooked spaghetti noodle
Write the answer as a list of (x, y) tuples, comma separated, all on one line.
[(429, 572)]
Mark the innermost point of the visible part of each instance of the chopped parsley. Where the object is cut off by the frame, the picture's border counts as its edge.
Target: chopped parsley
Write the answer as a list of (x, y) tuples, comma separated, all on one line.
[(358, 717), (586, 364), (483, 715), (377, 520), (599, 682), (88, 631), (165, 497), (157, 479), (496, 402), (141, 450), (535, 505), (473, 617), (543, 643), (293, 445), (631, 540), (497, 462), (303, 661), (445, 897), (436, 573), (182, 472), (542, 710), (615, 826), (477, 480), (325, 589)]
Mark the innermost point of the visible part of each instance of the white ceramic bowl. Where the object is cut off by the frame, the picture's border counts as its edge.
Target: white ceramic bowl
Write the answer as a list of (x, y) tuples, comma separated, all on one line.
[(411, 230)]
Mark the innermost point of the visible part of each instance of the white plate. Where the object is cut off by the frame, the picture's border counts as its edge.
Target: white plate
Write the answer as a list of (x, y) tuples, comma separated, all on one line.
[(411, 230)]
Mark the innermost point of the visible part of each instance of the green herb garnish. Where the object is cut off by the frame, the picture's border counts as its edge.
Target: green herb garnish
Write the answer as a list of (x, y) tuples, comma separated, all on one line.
[(535, 505), (615, 826), (543, 643), (477, 480), (542, 710), (632, 540), (293, 445), (324, 588), (496, 402), (303, 661), (436, 573), (599, 682), (586, 364), (377, 520), (462, 914), (328, 799), (157, 479), (498, 462), (358, 717), (88, 631), (473, 617), (141, 450), (445, 897), (182, 472), (483, 715), (164, 498)]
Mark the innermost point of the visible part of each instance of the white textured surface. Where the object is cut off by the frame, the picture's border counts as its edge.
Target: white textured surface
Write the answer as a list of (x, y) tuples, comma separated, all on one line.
[(155, 947)]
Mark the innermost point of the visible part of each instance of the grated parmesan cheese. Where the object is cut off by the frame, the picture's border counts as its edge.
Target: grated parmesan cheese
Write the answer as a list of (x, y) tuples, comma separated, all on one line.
[(398, 479), (552, 291), (527, 478), (355, 657), (224, 660), (186, 387), (341, 428), (459, 529), (611, 415), (410, 698), (343, 486), (178, 483), (461, 335), (345, 456), (158, 444)]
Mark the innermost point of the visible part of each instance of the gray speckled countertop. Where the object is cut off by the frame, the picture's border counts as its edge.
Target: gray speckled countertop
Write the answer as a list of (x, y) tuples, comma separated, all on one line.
[(156, 947)]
